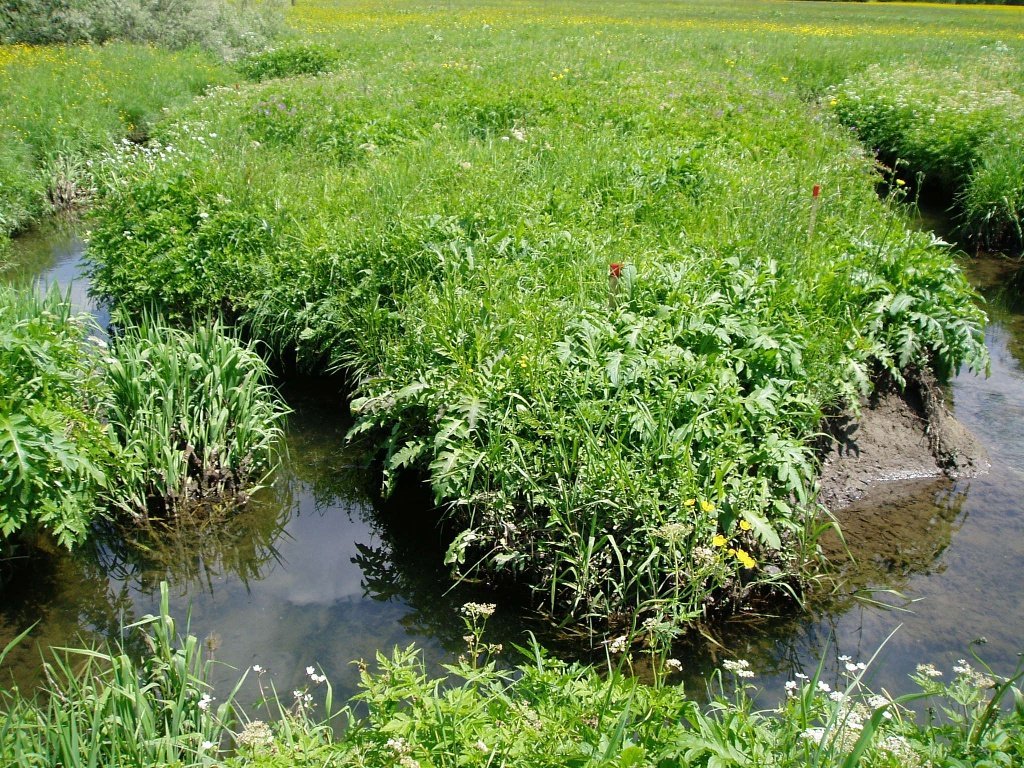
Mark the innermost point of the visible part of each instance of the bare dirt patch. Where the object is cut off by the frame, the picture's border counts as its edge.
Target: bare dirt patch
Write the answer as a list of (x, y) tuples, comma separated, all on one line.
[(899, 435)]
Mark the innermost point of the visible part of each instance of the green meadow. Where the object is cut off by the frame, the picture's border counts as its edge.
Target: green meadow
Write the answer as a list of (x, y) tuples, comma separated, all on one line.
[(572, 262), (596, 273)]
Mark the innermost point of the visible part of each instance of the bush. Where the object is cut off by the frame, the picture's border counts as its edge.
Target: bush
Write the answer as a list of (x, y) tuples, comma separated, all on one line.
[(218, 25)]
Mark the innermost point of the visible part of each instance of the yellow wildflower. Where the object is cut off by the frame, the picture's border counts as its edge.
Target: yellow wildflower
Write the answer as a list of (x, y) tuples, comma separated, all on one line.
[(689, 502), (745, 526), (707, 506), (746, 560), (719, 540)]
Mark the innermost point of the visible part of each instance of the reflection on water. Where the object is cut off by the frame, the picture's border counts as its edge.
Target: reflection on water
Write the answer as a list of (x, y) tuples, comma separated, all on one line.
[(315, 572)]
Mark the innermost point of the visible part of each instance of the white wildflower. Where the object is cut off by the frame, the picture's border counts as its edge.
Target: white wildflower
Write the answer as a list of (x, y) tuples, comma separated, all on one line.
[(674, 665), (619, 644), (399, 746), (478, 609), (739, 667), (824, 687), (814, 734), (204, 702)]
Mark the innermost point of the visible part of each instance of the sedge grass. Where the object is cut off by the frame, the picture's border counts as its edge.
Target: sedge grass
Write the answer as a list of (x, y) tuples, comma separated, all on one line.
[(193, 415)]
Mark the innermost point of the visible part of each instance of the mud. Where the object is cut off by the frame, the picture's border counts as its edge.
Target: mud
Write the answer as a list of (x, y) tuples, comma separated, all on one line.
[(898, 436)]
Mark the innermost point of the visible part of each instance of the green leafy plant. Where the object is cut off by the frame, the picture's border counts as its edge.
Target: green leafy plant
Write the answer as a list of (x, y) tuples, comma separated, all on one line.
[(54, 455), (193, 417)]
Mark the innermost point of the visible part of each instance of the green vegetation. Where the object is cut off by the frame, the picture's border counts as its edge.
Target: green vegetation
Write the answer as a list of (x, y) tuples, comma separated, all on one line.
[(193, 416), (444, 232), (162, 422), (288, 61), (54, 453), (958, 127), (107, 707), (223, 26), (104, 707), (63, 105)]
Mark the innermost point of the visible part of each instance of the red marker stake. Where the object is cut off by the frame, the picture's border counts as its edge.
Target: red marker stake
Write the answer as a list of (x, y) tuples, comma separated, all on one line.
[(815, 200)]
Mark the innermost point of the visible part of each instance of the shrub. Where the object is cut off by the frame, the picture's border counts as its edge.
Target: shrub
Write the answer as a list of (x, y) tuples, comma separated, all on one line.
[(219, 25)]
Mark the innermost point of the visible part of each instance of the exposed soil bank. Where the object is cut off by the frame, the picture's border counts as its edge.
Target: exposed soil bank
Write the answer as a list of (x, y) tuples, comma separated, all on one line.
[(897, 436)]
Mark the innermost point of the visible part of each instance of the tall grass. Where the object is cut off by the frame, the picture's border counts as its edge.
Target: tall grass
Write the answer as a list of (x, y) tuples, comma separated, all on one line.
[(193, 415), (105, 707)]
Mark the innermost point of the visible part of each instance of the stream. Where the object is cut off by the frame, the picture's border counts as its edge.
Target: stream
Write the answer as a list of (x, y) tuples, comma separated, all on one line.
[(315, 571)]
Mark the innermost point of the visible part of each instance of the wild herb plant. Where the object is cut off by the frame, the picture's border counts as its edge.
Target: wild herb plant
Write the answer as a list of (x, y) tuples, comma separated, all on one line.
[(54, 455)]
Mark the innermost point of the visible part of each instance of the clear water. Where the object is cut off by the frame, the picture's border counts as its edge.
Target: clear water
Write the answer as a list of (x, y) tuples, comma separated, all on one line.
[(316, 572)]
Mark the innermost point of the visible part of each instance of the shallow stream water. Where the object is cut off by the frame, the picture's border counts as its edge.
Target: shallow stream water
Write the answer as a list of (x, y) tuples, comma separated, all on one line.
[(315, 572)]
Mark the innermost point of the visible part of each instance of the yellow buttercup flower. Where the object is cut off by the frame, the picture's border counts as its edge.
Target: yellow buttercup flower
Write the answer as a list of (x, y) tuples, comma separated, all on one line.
[(707, 506), (719, 540), (746, 560), (745, 526)]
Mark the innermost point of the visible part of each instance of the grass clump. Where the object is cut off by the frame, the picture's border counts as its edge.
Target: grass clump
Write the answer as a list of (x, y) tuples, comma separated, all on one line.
[(192, 415), (954, 127), (162, 422)]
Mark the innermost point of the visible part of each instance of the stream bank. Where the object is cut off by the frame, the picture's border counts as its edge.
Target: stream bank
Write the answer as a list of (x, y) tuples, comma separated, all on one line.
[(317, 572)]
